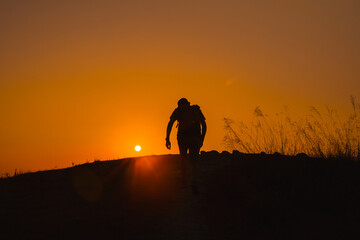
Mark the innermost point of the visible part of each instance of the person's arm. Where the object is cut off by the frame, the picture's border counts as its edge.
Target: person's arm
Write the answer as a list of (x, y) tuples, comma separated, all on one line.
[(168, 131), (203, 128)]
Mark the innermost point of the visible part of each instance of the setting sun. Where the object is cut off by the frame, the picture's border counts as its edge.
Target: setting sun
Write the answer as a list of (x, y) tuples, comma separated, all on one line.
[(137, 148)]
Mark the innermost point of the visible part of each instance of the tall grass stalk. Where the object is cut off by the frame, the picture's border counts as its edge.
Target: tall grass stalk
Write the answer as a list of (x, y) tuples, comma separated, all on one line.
[(318, 134)]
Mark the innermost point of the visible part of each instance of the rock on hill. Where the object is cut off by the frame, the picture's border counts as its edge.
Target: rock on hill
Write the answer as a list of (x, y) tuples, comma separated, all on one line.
[(240, 196)]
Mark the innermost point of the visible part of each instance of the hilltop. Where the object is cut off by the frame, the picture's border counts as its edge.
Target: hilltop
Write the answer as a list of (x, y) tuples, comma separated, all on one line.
[(250, 196)]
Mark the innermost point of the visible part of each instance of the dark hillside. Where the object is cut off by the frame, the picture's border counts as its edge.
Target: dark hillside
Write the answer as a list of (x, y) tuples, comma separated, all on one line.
[(241, 196)]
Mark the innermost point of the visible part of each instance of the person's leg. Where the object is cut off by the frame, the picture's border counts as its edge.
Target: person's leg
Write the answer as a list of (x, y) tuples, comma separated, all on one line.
[(183, 148), (194, 149)]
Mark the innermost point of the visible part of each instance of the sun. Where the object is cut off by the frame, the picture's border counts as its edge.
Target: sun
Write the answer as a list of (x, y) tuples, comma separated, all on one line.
[(137, 148)]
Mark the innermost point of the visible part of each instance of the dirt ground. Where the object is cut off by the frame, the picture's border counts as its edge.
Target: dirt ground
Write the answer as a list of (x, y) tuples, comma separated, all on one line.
[(240, 196)]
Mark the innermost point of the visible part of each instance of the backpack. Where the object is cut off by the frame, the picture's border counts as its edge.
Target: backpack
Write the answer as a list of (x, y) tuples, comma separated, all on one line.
[(189, 120)]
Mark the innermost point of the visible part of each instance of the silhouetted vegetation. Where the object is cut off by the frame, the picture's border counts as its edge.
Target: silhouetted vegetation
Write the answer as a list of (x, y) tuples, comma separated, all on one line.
[(319, 134), (16, 173)]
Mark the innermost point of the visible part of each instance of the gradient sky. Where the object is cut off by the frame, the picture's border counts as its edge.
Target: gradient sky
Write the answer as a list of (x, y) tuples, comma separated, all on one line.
[(85, 80)]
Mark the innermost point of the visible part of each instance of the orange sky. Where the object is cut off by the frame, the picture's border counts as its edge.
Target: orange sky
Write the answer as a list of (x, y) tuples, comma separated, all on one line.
[(85, 80)]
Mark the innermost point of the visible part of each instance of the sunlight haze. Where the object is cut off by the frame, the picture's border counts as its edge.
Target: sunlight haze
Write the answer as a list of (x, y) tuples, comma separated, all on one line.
[(87, 80)]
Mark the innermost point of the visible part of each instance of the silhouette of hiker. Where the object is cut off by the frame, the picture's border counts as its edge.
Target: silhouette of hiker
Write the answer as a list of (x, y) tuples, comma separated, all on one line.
[(190, 136)]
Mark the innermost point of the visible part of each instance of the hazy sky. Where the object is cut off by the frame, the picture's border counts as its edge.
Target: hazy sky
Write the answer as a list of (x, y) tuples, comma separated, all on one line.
[(85, 80)]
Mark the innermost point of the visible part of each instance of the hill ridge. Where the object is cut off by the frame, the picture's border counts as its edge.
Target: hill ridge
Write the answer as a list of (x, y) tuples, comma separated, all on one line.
[(241, 195)]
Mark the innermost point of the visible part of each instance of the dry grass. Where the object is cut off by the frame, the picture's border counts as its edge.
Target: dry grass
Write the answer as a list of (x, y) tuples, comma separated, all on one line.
[(16, 173), (318, 134)]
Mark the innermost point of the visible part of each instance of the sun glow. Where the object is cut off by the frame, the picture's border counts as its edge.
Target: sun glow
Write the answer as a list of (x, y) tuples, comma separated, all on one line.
[(137, 148)]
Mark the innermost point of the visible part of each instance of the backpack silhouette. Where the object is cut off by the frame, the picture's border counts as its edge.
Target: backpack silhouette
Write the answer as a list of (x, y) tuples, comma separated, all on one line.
[(189, 120)]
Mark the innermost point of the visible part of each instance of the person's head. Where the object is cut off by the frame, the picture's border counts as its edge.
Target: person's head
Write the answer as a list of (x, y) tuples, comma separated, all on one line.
[(183, 102)]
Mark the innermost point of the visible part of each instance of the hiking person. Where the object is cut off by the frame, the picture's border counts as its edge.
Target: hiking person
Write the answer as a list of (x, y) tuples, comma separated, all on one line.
[(190, 136)]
